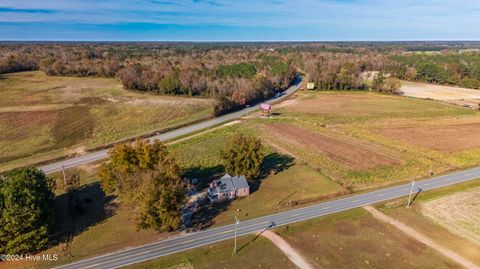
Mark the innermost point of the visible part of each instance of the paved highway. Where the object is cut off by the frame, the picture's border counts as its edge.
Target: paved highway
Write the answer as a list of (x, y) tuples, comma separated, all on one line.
[(181, 243), (103, 154)]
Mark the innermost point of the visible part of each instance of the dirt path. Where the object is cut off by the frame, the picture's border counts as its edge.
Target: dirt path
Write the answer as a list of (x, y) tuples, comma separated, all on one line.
[(291, 253), (422, 238)]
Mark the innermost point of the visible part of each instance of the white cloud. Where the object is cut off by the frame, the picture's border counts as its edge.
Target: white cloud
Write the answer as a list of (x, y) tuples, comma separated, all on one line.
[(270, 13)]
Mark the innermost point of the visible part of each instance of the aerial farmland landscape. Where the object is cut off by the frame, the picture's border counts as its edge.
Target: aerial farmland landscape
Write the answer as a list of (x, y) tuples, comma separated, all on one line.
[(239, 134)]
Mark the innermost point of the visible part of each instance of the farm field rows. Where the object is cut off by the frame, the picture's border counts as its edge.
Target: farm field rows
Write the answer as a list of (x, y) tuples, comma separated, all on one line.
[(47, 117), (362, 140)]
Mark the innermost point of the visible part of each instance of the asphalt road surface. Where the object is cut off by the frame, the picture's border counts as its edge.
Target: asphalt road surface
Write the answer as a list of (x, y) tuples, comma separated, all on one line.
[(193, 240), (103, 154)]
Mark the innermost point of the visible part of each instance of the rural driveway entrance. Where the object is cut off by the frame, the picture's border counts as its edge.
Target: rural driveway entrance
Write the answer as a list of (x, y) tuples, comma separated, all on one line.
[(422, 238), (291, 253)]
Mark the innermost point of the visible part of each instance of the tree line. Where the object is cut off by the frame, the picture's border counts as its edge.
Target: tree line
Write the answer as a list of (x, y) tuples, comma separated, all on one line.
[(445, 68), (240, 74)]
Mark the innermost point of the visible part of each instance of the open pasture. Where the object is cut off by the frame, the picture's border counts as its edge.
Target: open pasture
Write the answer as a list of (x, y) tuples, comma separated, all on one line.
[(448, 138), (349, 152), (458, 213), (364, 139), (46, 117)]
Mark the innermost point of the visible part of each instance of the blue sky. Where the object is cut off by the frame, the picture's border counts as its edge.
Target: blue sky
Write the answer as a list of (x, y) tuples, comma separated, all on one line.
[(239, 20)]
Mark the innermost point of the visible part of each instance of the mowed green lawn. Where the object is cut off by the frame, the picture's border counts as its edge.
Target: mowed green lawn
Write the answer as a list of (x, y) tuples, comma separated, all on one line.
[(45, 117), (297, 185)]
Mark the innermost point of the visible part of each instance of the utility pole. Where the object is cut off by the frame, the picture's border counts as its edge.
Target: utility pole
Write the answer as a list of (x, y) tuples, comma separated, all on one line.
[(235, 237), (64, 178), (410, 196)]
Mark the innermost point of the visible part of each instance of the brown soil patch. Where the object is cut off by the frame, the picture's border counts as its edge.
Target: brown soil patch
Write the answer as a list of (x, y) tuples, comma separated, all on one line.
[(447, 138), (351, 104), (330, 103), (348, 152)]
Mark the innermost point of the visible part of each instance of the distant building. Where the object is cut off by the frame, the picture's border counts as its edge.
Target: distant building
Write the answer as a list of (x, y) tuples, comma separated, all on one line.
[(265, 109), (228, 188), (310, 86)]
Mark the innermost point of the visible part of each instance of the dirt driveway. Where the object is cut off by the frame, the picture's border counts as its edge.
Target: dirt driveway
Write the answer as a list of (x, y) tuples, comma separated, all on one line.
[(409, 231), (291, 253)]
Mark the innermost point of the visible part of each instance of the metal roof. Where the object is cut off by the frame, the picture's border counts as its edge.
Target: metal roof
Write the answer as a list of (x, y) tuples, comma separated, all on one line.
[(228, 183)]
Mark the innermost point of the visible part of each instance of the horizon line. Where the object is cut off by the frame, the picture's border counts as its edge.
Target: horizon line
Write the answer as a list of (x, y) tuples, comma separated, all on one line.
[(242, 41)]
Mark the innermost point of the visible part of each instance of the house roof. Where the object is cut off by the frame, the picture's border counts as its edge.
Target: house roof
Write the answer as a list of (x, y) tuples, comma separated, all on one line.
[(228, 183)]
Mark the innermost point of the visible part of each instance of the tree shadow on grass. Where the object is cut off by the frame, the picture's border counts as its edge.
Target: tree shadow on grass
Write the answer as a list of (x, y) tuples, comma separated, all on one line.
[(273, 163), (204, 217), (78, 210), (204, 175)]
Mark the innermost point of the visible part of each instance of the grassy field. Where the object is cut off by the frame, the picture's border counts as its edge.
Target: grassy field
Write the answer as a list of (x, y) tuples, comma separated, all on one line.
[(351, 239), (459, 240), (458, 213), (297, 185), (258, 253), (45, 117), (339, 141), (363, 140), (293, 184), (354, 239), (286, 184)]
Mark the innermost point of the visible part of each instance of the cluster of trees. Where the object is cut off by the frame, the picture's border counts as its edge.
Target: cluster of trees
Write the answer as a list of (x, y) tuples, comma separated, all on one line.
[(26, 211), (234, 76), (446, 68), (146, 176), (389, 85), (341, 71), (243, 155), (16, 62), (240, 74), (232, 85)]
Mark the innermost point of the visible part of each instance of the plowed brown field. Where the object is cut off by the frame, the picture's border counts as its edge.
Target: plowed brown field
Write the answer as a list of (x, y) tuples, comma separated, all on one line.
[(349, 152), (447, 138)]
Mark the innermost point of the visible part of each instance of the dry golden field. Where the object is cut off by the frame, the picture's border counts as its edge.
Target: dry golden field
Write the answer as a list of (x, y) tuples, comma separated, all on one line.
[(46, 117)]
